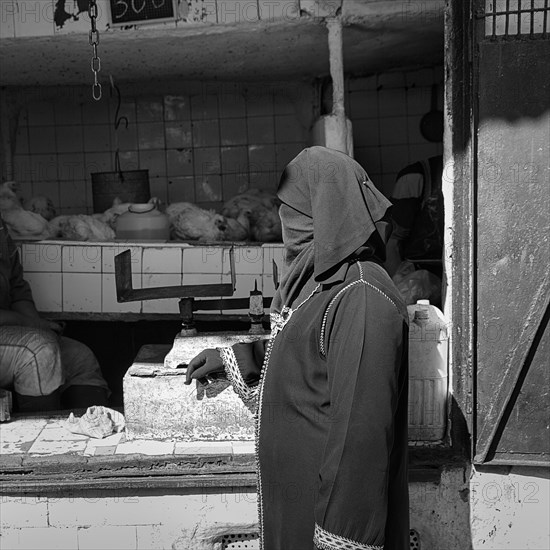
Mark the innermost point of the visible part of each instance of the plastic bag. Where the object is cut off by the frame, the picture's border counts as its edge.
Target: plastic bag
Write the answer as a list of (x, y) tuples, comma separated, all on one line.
[(417, 285)]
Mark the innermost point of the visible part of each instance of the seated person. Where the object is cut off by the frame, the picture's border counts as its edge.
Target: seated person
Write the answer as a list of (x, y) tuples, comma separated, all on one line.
[(45, 370), (417, 239)]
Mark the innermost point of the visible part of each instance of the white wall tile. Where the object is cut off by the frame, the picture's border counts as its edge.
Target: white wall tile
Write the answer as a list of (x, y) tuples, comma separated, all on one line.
[(46, 290), (273, 252), (109, 302), (248, 260), (268, 286), (202, 259), (162, 260), (120, 537), (34, 18), (168, 305), (10, 537), (110, 251), (7, 18), (82, 292), (81, 259), (40, 257), (22, 513), (48, 537)]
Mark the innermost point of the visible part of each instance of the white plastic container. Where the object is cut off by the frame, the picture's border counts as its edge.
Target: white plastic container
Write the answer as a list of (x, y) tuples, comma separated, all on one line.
[(428, 372), (142, 223)]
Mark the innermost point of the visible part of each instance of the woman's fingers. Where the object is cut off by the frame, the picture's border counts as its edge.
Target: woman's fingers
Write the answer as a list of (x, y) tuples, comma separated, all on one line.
[(206, 362), (193, 365), (201, 372)]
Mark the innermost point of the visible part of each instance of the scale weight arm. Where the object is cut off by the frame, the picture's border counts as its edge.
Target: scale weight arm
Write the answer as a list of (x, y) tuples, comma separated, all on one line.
[(187, 294), (125, 291)]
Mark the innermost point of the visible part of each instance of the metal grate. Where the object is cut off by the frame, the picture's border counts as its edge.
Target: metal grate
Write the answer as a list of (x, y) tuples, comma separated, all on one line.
[(250, 541), (414, 539), (517, 18)]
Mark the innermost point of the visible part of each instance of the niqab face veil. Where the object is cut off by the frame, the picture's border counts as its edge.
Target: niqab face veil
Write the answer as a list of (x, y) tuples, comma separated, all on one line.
[(330, 211)]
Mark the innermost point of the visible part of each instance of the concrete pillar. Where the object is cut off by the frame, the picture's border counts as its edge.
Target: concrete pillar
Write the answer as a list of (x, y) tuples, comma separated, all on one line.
[(334, 130), (336, 59)]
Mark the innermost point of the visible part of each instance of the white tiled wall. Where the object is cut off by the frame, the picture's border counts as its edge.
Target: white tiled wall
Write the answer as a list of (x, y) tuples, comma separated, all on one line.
[(160, 279), (212, 141), (41, 257), (46, 289), (386, 110), (81, 279), (162, 260), (82, 292), (203, 145), (203, 259), (109, 302)]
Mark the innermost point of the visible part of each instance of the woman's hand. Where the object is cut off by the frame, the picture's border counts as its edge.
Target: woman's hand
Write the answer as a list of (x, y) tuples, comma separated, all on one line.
[(206, 362), (45, 325), (57, 327)]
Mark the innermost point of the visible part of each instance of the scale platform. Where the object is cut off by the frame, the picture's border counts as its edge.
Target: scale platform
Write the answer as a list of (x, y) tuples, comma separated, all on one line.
[(158, 405)]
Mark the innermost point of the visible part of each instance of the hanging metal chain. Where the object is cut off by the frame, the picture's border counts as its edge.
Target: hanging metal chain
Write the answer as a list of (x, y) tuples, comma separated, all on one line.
[(94, 41)]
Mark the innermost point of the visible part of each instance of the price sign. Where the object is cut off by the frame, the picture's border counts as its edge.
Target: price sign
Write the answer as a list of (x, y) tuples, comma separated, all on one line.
[(138, 12)]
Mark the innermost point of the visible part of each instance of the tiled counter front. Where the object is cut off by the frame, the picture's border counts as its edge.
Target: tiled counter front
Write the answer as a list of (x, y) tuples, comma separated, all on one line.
[(80, 277)]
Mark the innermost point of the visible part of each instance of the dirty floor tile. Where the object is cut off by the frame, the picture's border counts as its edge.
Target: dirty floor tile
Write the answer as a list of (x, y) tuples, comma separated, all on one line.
[(18, 433), (105, 450), (203, 448), (243, 447), (60, 434), (146, 447), (57, 447)]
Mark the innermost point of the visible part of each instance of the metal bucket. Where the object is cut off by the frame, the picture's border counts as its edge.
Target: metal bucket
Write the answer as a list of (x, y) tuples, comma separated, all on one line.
[(128, 186)]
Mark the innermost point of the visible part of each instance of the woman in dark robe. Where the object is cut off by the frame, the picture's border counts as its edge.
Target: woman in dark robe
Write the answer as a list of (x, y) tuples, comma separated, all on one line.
[(329, 388)]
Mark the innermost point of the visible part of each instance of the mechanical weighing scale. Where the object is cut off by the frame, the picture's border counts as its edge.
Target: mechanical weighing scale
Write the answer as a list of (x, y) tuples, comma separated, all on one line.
[(157, 403)]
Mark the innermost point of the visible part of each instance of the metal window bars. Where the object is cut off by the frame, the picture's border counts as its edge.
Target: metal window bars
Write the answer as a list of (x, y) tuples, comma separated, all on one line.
[(517, 18)]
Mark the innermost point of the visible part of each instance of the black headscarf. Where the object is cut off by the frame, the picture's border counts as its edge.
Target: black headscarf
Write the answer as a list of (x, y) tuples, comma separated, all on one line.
[(331, 214)]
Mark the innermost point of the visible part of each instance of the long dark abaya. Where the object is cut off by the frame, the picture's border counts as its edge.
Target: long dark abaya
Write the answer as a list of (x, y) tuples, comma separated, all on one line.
[(330, 386)]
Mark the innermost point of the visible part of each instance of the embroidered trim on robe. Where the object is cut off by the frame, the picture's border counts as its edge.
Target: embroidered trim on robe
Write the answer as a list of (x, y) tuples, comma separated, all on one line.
[(248, 395), (329, 541)]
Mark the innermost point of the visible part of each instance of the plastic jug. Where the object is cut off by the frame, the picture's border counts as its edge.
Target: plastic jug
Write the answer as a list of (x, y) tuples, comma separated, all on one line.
[(143, 222), (428, 372)]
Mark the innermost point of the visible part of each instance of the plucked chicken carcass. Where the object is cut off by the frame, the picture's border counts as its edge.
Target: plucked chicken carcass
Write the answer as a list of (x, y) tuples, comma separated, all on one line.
[(81, 227), (238, 229), (263, 208), (41, 205), (190, 222), (21, 223)]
